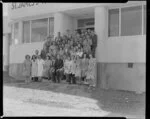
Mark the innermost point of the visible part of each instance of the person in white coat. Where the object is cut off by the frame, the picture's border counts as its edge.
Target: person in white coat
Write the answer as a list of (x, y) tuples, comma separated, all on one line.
[(34, 69), (40, 63)]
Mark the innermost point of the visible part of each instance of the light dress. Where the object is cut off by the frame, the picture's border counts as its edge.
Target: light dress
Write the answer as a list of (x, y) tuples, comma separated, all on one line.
[(91, 72), (40, 67), (34, 70)]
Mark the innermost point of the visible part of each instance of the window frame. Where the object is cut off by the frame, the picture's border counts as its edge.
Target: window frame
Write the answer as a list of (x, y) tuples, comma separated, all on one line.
[(126, 6), (23, 32), (30, 20), (31, 28), (109, 21)]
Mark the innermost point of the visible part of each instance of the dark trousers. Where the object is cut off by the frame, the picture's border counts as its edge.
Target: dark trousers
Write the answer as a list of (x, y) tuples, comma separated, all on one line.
[(93, 48), (68, 77), (53, 76), (59, 76), (72, 79), (35, 78)]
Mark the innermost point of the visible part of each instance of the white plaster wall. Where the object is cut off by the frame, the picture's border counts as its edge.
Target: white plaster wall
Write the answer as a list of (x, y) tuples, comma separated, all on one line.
[(18, 52), (6, 27), (119, 76), (62, 22), (74, 24), (45, 8), (5, 51), (122, 49)]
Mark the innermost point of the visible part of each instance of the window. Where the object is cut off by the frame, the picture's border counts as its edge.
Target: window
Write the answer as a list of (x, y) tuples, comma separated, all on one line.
[(131, 21), (26, 32), (86, 22), (51, 26), (113, 22), (81, 23), (39, 30), (144, 19), (11, 38), (16, 33), (130, 65)]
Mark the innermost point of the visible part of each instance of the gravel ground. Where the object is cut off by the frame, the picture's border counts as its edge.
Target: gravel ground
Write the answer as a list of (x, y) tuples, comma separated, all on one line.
[(30, 102), (48, 99)]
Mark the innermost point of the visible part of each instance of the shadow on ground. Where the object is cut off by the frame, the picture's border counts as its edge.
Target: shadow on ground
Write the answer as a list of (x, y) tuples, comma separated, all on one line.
[(118, 103)]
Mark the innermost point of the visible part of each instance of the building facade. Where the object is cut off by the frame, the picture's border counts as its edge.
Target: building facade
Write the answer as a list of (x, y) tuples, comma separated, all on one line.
[(121, 31)]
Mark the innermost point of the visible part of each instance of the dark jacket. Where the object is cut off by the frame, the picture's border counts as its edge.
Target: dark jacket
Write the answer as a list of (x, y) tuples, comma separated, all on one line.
[(94, 40), (58, 64), (43, 55)]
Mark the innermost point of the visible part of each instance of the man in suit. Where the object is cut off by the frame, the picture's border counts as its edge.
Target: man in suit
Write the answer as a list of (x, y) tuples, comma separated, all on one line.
[(59, 68), (94, 42), (43, 53), (53, 71)]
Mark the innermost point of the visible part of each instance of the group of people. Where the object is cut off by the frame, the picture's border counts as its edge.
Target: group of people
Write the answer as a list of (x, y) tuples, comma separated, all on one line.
[(70, 57)]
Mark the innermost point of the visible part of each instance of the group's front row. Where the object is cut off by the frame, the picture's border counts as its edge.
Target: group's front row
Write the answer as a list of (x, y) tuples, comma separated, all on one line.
[(73, 69)]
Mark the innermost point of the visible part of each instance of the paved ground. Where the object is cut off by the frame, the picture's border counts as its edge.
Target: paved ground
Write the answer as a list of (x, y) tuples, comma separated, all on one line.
[(47, 99)]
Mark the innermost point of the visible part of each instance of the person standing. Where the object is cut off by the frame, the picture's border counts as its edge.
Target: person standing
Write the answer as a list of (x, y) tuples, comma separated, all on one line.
[(47, 64), (36, 53), (72, 70), (52, 70), (67, 66), (78, 69), (43, 53), (84, 67), (59, 68), (91, 72), (34, 70), (40, 63), (94, 42), (27, 68)]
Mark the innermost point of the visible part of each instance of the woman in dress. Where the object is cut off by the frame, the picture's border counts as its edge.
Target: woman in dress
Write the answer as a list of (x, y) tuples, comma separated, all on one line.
[(78, 69), (40, 63), (84, 67), (27, 68), (47, 64), (34, 70), (72, 70), (91, 73), (67, 68)]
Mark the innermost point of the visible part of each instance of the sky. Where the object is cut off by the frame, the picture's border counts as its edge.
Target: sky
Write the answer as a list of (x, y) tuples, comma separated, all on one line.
[(5, 11)]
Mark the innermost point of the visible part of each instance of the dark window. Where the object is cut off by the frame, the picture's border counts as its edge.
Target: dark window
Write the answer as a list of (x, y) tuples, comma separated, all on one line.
[(130, 65)]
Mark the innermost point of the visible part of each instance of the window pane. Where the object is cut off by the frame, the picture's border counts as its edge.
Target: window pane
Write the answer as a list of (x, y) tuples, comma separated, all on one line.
[(144, 19), (85, 22), (81, 23), (26, 32), (11, 39), (51, 26), (39, 30), (113, 22), (16, 33), (131, 21)]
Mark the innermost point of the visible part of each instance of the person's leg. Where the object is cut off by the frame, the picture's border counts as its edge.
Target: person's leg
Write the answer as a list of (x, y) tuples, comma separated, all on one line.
[(39, 78), (57, 76), (79, 80), (67, 77), (54, 77), (60, 76), (70, 78), (33, 78), (74, 79)]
